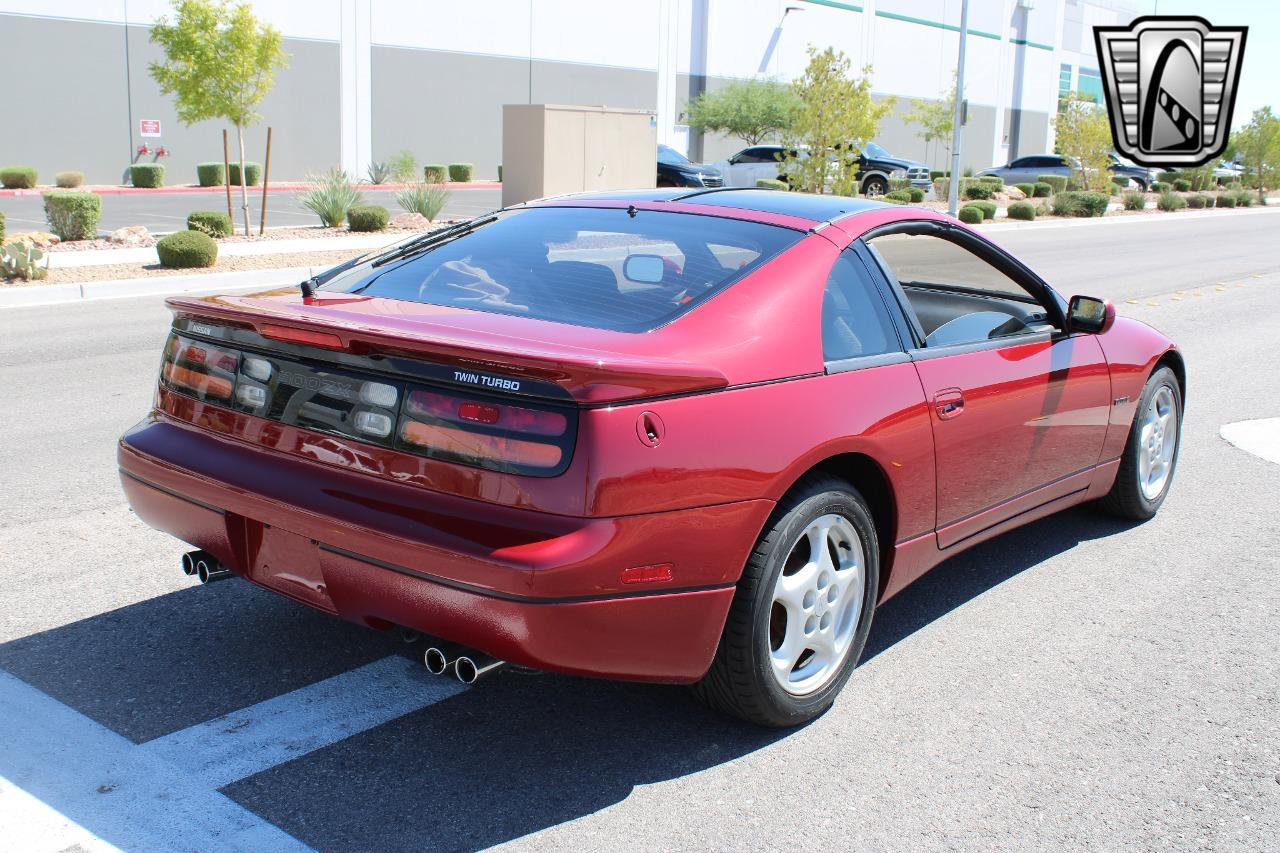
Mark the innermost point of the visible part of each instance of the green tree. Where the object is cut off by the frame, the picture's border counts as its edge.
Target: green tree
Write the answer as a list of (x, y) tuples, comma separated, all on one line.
[(1258, 145), (936, 118), (1084, 138), (836, 118), (752, 110), (220, 62)]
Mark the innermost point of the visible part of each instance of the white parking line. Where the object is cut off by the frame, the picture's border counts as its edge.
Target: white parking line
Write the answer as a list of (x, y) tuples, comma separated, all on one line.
[(118, 794), (1260, 437), (65, 779), (246, 742)]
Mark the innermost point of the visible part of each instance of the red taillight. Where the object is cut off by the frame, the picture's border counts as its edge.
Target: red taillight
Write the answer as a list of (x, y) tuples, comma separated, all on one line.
[(206, 370), (302, 336), (515, 418), (201, 383), (478, 447)]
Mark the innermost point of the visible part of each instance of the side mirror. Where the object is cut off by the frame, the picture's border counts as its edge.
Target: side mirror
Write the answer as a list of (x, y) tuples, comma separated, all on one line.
[(645, 269), (1089, 314)]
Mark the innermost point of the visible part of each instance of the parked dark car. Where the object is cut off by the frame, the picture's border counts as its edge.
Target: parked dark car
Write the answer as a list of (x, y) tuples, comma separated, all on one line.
[(875, 167), (1026, 170), (677, 170)]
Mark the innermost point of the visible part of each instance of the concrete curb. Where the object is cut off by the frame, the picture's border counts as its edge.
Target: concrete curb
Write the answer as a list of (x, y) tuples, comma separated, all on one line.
[(1004, 224), (291, 187), (57, 294)]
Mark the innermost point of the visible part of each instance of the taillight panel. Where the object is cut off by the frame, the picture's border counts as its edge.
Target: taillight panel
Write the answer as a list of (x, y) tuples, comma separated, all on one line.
[(527, 438)]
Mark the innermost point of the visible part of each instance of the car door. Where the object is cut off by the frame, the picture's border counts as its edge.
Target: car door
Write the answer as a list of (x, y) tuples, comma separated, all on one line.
[(1019, 407)]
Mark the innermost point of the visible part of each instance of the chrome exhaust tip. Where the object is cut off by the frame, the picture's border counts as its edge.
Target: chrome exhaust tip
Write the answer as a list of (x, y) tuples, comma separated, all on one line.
[(209, 570), (438, 658), (189, 561), (473, 666)]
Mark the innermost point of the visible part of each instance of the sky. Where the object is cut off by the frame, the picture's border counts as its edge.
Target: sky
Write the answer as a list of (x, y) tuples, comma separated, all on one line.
[(1260, 74)]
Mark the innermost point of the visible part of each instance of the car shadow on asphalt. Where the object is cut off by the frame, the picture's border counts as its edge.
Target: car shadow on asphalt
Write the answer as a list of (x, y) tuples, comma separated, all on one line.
[(506, 758)]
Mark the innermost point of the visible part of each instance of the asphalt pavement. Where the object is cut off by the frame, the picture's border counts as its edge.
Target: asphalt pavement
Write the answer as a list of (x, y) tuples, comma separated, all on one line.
[(1081, 683), (165, 212)]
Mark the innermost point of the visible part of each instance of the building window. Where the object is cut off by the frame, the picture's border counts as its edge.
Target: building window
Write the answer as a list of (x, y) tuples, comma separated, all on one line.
[(1090, 85), (1064, 81)]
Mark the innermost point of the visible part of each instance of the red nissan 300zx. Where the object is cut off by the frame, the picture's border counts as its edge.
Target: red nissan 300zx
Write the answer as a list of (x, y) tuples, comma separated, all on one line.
[(691, 438)]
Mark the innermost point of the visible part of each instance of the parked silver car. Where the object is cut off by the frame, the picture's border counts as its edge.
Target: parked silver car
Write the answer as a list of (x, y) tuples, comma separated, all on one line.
[(1026, 170)]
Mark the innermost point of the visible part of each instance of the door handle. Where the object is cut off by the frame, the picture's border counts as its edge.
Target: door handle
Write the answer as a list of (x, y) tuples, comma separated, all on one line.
[(949, 403)]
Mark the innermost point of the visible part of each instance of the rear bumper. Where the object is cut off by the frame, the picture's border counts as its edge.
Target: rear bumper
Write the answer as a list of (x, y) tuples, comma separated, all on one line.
[(528, 587)]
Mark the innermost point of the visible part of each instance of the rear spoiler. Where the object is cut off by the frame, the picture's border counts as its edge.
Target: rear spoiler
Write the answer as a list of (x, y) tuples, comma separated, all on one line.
[(588, 376)]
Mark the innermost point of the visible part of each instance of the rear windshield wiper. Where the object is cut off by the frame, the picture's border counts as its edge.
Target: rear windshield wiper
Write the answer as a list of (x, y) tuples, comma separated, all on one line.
[(426, 241), (404, 250)]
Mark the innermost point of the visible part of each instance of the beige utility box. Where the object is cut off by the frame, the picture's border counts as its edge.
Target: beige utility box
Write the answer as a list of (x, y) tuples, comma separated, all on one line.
[(549, 149)]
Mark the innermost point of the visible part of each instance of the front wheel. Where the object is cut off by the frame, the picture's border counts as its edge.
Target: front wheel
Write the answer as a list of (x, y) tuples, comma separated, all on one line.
[(803, 608), (1151, 453), (875, 185)]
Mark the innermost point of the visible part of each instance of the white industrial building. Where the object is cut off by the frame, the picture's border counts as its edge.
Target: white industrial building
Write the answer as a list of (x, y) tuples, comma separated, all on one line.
[(369, 78)]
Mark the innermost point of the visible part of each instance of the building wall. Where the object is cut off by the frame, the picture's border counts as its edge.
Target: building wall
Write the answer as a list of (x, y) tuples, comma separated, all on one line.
[(368, 79)]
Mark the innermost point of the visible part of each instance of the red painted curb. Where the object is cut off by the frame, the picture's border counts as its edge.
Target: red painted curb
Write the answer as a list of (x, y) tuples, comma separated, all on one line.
[(281, 187)]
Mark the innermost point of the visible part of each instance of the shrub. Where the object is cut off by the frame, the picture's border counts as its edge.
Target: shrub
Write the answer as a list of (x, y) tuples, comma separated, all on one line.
[(917, 194), (211, 174), (252, 174), (1225, 200), (1134, 200), (976, 191), (996, 182), (380, 173), (1, 228), (461, 171), (988, 208), (1028, 190), (970, 215), (1043, 190), (900, 196), (148, 175), (330, 197), (1197, 201), (215, 223), (68, 180), (435, 173), (1182, 185), (73, 215), (1057, 182), (22, 260), (499, 173), (187, 250), (1064, 204), (1244, 198), (18, 177), (368, 218), (1170, 202), (1160, 187), (1089, 203), (404, 167), (425, 199), (771, 184), (1208, 199), (934, 174), (1021, 210)]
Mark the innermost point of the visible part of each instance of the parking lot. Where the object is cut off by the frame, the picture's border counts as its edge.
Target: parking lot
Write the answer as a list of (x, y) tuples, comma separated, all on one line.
[(1078, 683)]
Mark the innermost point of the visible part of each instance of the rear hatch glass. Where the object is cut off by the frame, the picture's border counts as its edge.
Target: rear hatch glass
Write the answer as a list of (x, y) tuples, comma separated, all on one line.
[(605, 268)]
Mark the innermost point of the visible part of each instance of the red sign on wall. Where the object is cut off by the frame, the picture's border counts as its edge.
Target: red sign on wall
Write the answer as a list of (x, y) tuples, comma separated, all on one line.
[(149, 127)]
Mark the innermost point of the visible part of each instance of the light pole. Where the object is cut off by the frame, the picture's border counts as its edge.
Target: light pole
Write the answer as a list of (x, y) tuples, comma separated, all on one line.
[(953, 184)]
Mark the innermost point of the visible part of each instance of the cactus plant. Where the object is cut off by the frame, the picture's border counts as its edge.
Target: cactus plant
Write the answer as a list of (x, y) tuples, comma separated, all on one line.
[(22, 260)]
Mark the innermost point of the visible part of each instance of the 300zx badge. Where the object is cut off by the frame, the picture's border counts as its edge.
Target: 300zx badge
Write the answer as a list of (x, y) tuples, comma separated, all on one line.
[(328, 387)]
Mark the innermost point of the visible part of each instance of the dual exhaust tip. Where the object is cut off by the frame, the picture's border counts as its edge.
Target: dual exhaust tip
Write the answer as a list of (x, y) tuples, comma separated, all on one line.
[(468, 666), (204, 566)]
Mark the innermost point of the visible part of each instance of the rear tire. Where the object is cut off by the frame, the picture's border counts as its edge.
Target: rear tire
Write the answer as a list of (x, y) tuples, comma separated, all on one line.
[(875, 185), (1150, 455), (799, 619)]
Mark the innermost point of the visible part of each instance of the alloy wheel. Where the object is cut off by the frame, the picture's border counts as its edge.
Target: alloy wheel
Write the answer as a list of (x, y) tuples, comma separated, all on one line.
[(1157, 442)]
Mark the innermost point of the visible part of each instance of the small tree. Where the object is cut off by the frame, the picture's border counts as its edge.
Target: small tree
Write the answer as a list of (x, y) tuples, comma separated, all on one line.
[(752, 110), (1084, 138), (936, 118), (220, 62), (837, 117), (1258, 145)]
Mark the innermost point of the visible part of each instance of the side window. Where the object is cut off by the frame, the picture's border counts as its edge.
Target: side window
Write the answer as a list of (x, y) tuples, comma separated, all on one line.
[(750, 155), (1048, 162), (855, 321), (957, 297)]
